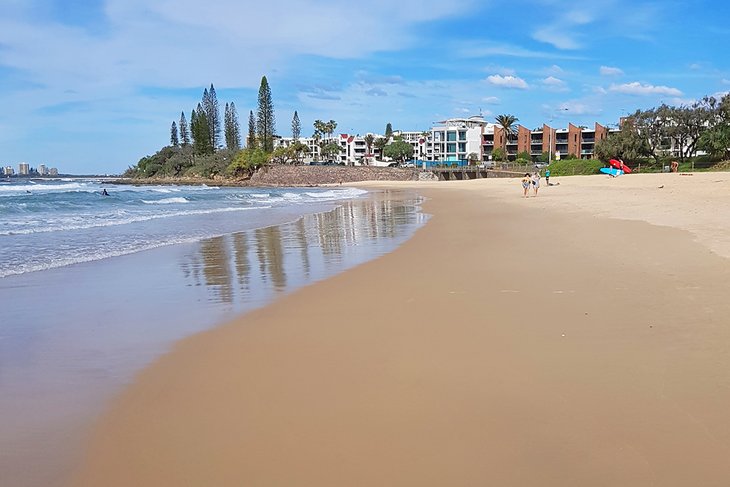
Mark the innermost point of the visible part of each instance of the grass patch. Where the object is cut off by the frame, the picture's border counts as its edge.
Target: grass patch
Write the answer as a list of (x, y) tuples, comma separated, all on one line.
[(575, 167)]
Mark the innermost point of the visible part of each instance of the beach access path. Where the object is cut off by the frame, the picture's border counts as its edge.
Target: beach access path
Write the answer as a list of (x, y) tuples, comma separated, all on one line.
[(555, 341)]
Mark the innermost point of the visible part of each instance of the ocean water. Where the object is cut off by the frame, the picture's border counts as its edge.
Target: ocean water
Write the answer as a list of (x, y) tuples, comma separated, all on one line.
[(51, 223), (93, 287)]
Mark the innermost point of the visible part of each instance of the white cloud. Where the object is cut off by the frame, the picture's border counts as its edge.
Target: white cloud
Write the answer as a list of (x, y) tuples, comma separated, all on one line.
[(557, 36), (554, 70), (470, 50), (507, 81), (491, 100), (636, 88), (554, 83), (610, 71)]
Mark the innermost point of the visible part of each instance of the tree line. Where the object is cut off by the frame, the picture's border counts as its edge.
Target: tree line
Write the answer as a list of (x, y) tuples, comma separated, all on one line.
[(667, 131)]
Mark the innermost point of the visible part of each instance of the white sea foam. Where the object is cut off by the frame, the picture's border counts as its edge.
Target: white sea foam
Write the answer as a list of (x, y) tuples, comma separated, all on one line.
[(59, 188), (126, 221), (91, 256), (166, 201)]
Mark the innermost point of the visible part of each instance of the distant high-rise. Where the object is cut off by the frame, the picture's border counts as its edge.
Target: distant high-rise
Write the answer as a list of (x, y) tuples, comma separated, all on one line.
[(8, 170), (23, 168), (53, 171), (42, 170)]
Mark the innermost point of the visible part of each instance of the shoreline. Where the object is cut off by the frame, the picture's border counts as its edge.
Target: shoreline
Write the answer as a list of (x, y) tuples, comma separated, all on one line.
[(503, 346), (80, 359)]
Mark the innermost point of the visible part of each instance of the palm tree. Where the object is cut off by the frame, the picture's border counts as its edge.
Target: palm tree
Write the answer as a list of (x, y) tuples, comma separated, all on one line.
[(380, 144), (508, 125), (369, 139)]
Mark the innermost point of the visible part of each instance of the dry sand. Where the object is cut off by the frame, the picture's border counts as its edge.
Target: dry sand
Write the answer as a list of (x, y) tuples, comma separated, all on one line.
[(511, 342)]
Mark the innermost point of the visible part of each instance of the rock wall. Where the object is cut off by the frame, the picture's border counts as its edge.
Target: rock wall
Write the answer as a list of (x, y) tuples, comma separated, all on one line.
[(314, 175)]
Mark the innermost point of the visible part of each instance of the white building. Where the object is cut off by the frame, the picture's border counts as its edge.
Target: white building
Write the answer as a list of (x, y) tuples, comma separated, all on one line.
[(8, 170), (23, 169), (455, 139), (42, 170), (353, 148)]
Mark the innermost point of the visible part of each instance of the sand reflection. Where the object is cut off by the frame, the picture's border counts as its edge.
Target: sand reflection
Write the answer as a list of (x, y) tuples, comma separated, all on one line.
[(253, 266)]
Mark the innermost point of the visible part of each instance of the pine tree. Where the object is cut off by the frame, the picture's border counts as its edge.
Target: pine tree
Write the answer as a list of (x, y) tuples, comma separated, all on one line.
[(251, 140), (388, 131), (265, 117), (174, 141), (212, 113), (227, 133), (235, 127), (183, 128), (193, 127), (201, 132), (231, 128), (296, 127)]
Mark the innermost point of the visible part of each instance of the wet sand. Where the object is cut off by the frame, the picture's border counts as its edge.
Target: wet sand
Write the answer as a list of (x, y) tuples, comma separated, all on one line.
[(66, 350), (511, 342)]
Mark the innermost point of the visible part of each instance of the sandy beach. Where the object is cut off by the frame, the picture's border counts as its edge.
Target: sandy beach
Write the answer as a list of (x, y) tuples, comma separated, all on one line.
[(577, 338)]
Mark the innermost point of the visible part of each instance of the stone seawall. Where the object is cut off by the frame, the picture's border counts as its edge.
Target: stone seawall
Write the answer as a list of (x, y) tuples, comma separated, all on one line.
[(314, 175)]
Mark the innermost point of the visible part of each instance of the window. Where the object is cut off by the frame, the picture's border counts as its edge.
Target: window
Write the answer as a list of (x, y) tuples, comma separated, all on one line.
[(462, 147), (451, 136), (451, 147), (462, 135)]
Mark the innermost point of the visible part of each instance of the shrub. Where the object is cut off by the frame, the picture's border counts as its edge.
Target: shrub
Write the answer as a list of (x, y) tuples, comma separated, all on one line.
[(569, 167)]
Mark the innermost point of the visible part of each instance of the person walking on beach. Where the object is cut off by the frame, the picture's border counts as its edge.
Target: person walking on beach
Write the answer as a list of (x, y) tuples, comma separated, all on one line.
[(536, 181), (526, 181), (547, 176)]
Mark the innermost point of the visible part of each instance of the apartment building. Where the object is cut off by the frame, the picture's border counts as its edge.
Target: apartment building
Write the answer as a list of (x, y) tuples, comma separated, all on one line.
[(353, 148), (42, 170), (8, 171), (455, 138), (575, 140), (23, 169)]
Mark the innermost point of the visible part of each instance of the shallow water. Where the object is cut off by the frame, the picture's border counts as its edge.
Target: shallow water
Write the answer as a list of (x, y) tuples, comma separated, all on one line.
[(71, 337)]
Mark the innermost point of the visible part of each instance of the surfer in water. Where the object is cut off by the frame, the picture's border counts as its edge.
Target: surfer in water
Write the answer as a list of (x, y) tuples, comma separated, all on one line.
[(104, 192)]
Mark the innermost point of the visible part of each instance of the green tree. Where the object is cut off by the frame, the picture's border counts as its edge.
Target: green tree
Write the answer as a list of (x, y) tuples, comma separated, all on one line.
[(201, 132), (298, 150), (323, 134), (625, 144), (247, 161), (265, 117), (380, 144), (499, 154), (524, 155), (280, 155), (473, 158), (399, 150), (212, 114), (369, 140), (251, 139), (716, 141), (231, 129), (330, 150), (388, 130), (507, 122), (296, 127), (183, 128), (174, 141)]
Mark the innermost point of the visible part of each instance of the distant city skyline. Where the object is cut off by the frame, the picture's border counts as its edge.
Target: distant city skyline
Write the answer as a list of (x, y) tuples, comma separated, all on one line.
[(95, 85)]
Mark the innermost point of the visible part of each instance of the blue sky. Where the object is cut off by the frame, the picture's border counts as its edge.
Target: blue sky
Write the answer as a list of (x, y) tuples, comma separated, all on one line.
[(90, 86)]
